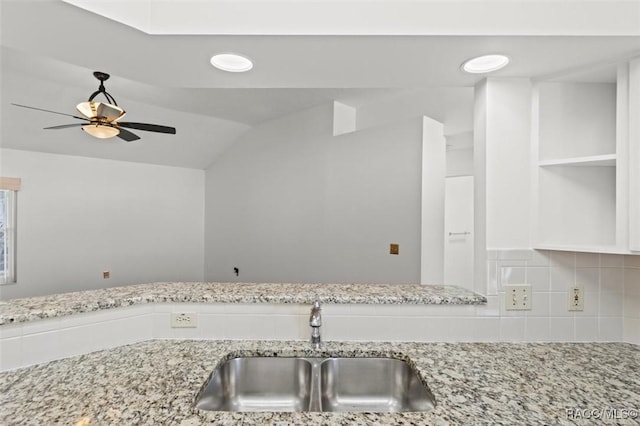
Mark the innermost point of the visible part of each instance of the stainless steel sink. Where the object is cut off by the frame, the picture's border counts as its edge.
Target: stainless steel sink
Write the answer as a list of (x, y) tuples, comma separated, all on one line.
[(373, 385), (258, 384), (315, 384)]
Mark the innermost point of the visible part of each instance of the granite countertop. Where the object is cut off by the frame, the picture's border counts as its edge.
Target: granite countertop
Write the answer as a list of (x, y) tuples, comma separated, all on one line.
[(58, 305), (155, 383)]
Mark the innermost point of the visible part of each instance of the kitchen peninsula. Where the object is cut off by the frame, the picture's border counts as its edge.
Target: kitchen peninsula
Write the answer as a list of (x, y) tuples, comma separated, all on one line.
[(154, 378)]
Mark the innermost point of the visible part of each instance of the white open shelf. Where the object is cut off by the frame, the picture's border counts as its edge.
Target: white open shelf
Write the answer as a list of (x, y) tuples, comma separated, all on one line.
[(607, 160), (576, 172), (583, 249), (578, 206)]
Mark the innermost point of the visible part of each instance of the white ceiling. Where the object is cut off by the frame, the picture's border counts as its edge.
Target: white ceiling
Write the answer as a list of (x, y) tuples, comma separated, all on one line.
[(378, 17), (50, 48)]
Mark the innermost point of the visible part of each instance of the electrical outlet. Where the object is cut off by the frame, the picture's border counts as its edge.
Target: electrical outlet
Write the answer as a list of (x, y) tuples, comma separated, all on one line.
[(184, 320), (517, 297), (576, 298)]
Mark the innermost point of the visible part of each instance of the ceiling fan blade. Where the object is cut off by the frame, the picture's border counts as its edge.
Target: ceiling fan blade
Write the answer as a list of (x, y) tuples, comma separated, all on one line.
[(127, 135), (148, 127), (65, 126), (54, 112)]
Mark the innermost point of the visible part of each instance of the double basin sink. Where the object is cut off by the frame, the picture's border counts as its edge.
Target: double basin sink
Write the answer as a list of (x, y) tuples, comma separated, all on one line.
[(315, 384)]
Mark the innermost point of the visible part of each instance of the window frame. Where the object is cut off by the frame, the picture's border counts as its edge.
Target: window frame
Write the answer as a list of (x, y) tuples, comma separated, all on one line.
[(10, 187)]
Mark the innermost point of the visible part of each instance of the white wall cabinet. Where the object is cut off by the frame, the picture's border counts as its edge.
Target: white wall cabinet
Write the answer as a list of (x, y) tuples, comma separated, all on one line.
[(585, 143)]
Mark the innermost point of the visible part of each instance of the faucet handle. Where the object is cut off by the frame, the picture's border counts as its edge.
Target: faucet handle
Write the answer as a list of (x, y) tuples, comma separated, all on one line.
[(315, 319)]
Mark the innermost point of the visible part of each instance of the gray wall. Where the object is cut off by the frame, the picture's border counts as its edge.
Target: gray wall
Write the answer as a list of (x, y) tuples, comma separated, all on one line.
[(78, 217), (289, 202)]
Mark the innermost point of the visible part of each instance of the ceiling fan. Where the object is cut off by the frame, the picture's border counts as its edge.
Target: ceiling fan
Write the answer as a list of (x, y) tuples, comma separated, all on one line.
[(102, 120)]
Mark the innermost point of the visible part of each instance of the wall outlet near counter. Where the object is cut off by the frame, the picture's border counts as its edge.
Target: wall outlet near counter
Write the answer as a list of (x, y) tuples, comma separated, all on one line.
[(576, 298), (517, 297), (184, 320)]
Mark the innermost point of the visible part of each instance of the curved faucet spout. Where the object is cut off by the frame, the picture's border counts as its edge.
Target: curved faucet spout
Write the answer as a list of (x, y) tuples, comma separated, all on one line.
[(315, 322)]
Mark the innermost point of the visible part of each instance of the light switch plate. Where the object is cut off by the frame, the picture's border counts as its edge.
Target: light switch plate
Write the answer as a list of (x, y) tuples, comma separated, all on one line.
[(517, 297)]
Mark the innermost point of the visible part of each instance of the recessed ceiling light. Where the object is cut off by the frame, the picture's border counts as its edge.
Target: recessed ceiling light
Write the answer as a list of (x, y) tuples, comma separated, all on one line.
[(486, 63), (231, 62)]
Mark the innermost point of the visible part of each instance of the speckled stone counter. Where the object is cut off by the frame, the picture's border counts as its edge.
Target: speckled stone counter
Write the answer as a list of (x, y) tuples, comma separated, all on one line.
[(155, 382), (34, 308)]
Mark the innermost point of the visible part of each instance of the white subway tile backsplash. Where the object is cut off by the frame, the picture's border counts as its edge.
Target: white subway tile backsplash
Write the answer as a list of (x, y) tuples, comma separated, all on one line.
[(561, 329), (539, 258), (588, 279), (42, 326), (211, 326), (631, 330), (11, 354), (632, 281), (249, 327), (563, 258), (611, 261), (536, 329), (160, 326), (612, 313), (292, 327), (454, 330), (41, 347), (611, 329), (612, 280), (586, 329), (448, 329), (77, 340), (539, 278), (9, 331), (632, 261), (511, 275), (631, 306), (562, 277), (485, 329), (515, 254), (540, 305), (512, 329), (611, 304), (591, 305), (492, 278), (559, 305), (492, 307), (587, 260)]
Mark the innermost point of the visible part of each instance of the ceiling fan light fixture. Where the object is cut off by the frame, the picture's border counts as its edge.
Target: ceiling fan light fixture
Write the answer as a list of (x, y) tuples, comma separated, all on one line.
[(100, 119), (485, 64), (231, 62), (101, 131), (93, 110)]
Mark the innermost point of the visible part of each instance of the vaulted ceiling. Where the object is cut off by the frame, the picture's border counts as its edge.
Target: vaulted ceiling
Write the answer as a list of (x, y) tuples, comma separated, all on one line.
[(305, 53)]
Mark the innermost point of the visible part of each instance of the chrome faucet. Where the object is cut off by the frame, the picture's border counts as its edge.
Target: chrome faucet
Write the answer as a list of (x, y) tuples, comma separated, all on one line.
[(315, 321)]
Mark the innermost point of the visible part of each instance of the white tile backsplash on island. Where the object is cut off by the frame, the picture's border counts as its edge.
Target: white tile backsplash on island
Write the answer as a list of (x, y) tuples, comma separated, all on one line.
[(611, 285), (611, 314)]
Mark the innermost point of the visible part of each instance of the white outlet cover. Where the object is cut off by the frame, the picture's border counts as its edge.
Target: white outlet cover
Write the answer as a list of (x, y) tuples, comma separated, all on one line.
[(184, 320), (576, 298)]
